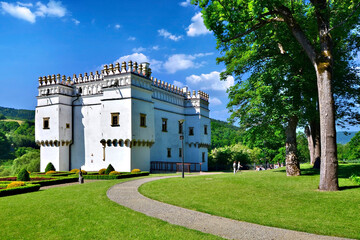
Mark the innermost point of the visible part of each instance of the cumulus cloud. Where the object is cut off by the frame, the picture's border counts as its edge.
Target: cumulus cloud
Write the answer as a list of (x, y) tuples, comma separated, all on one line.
[(178, 62), (164, 33), (215, 101), (131, 38), (117, 26), (29, 12), (155, 65), (197, 26), (210, 81), (155, 48), (139, 49), (52, 9), (185, 3), (178, 84)]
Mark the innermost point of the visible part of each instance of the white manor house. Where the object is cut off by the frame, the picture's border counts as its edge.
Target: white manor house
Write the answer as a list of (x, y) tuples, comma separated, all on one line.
[(122, 117)]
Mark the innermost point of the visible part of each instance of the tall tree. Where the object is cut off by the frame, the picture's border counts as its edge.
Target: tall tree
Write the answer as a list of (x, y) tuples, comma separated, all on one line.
[(310, 23)]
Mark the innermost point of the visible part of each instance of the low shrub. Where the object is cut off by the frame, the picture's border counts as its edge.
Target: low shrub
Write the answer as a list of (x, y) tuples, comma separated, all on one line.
[(114, 173), (15, 184), (75, 170), (21, 189), (23, 175), (50, 167), (109, 169), (122, 175), (135, 170), (102, 171), (50, 172), (83, 172), (355, 179)]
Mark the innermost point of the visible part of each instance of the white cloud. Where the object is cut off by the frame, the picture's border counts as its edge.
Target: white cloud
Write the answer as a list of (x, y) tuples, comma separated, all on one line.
[(155, 65), (215, 101), (117, 26), (52, 9), (178, 62), (178, 84), (18, 11), (132, 38), (210, 81), (139, 49), (77, 22), (164, 33), (155, 48), (23, 10), (197, 26), (186, 3)]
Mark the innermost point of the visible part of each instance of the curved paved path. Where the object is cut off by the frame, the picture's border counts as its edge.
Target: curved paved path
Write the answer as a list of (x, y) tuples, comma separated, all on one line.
[(127, 194)]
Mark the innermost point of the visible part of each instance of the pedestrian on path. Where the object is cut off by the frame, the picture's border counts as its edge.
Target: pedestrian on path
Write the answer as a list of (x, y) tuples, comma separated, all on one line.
[(234, 167)]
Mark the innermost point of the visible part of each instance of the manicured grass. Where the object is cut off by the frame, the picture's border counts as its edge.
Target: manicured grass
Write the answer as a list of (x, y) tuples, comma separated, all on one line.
[(269, 198), (81, 212)]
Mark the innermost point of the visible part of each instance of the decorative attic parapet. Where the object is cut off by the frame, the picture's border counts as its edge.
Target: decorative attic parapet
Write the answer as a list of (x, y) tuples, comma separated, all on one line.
[(141, 69)]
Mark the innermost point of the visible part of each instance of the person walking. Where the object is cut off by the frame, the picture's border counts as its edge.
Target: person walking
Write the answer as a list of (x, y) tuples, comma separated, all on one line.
[(234, 167), (238, 166)]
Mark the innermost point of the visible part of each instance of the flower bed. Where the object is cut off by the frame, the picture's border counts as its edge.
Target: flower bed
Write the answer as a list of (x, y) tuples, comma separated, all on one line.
[(31, 179), (29, 187), (122, 175), (44, 181)]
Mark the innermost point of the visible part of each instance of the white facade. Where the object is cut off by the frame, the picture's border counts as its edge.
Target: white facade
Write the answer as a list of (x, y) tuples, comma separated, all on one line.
[(117, 118)]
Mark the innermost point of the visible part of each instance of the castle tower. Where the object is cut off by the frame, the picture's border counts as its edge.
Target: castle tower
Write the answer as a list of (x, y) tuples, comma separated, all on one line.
[(53, 121)]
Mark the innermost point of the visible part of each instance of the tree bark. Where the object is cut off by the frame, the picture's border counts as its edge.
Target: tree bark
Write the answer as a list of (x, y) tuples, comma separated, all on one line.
[(292, 160), (310, 144)]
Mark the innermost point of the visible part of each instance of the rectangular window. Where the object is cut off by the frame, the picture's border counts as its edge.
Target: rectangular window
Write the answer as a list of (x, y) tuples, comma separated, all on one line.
[(180, 152), (164, 125), (46, 123), (203, 157), (180, 127), (169, 152), (68, 125), (191, 131), (115, 119), (142, 120), (205, 129)]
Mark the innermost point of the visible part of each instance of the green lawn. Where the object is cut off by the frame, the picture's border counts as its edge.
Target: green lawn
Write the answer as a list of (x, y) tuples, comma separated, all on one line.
[(81, 212), (269, 198)]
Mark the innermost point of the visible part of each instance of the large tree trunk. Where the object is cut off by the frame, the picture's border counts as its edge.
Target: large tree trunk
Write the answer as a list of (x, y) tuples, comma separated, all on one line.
[(324, 67), (292, 161)]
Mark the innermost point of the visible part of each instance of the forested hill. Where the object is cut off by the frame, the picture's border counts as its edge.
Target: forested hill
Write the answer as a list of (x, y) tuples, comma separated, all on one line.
[(224, 134), (19, 114)]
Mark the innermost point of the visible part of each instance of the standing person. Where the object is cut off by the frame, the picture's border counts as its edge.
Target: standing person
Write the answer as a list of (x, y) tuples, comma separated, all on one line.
[(234, 167), (238, 166)]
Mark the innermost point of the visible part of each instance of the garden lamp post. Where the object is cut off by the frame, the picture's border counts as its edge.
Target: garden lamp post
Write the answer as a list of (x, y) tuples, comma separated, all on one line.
[(181, 126)]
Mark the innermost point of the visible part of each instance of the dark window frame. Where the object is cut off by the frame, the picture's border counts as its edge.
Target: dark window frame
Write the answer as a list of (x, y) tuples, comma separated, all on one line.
[(164, 124), (191, 131), (143, 120), (205, 129), (169, 152), (117, 117), (46, 123)]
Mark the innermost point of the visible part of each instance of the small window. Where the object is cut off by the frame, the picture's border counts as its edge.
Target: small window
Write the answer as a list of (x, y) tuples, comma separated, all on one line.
[(68, 125), (169, 152), (46, 123), (203, 157), (142, 120), (205, 129), (180, 152), (191, 131), (180, 127), (115, 119), (164, 125)]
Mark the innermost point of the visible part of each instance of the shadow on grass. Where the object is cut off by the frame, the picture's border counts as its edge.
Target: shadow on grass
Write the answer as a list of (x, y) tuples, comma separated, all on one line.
[(348, 187)]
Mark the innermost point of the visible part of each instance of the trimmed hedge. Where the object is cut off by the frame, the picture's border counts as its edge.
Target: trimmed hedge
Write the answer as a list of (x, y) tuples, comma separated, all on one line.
[(50, 167), (18, 190), (109, 169), (123, 175), (23, 175), (59, 180)]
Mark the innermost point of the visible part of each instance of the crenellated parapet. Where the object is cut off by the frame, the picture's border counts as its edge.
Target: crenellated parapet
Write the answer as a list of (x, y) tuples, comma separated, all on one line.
[(141, 69)]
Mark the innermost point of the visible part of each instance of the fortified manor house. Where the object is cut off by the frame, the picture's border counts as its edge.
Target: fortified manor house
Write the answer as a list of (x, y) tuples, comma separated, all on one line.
[(123, 117)]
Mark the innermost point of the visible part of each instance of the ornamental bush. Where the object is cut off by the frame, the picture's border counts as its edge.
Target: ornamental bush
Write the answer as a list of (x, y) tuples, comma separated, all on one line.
[(109, 169), (102, 171), (75, 170), (114, 173), (135, 170), (15, 184), (50, 167), (50, 172), (23, 175)]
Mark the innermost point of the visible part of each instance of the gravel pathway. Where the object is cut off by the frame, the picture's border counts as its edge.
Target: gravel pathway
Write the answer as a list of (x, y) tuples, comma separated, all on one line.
[(127, 194)]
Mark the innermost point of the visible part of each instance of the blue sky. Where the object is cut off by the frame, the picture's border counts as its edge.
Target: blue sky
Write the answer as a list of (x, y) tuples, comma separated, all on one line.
[(41, 38)]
